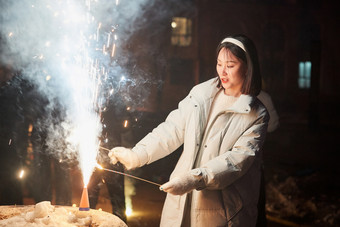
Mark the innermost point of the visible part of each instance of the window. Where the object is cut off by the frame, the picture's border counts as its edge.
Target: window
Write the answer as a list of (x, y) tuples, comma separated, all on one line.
[(305, 69), (181, 31)]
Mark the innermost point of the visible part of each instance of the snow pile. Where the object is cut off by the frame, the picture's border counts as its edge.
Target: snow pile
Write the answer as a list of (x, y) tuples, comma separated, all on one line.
[(44, 214)]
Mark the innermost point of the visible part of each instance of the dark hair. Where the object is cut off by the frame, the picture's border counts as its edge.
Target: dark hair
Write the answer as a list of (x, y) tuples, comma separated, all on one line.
[(253, 80)]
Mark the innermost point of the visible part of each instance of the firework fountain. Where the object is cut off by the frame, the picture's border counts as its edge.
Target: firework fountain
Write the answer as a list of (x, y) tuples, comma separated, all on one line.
[(67, 49)]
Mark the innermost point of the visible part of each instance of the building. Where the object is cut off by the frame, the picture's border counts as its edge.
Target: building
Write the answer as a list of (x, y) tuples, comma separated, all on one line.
[(296, 42)]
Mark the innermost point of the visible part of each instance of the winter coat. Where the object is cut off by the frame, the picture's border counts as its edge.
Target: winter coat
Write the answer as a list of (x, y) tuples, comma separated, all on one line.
[(231, 159), (274, 121)]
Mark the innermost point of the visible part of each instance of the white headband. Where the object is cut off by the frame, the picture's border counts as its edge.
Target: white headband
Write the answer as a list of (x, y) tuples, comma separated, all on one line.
[(234, 41)]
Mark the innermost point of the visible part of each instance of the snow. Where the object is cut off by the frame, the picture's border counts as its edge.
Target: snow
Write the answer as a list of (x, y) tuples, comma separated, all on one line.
[(44, 214)]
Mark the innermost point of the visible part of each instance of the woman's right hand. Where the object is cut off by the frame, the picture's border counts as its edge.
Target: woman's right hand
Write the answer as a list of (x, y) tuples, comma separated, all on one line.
[(125, 156)]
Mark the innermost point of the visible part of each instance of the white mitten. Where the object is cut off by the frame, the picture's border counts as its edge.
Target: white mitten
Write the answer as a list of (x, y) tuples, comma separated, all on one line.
[(185, 183), (125, 156)]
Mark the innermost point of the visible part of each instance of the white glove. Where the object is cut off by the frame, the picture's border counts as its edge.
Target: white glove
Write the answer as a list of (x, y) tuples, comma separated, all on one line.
[(185, 183), (125, 156)]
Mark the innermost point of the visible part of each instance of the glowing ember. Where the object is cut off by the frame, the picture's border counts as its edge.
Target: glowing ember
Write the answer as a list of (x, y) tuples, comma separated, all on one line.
[(21, 174), (99, 166), (126, 122), (128, 211), (129, 191), (113, 50)]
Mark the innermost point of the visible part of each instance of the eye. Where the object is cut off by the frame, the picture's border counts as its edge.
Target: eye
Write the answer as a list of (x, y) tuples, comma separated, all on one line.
[(230, 66)]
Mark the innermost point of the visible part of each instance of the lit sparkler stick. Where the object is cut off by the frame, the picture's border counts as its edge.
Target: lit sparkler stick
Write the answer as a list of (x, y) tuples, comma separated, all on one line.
[(128, 175), (105, 149)]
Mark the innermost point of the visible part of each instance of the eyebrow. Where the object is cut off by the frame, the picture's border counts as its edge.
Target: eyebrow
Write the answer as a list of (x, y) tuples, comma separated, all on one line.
[(227, 61)]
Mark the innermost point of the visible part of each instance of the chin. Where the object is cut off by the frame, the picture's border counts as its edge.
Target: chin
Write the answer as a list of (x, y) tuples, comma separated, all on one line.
[(225, 87)]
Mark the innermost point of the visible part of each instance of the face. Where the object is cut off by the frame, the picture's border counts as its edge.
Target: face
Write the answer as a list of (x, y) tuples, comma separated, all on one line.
[(231, 71)]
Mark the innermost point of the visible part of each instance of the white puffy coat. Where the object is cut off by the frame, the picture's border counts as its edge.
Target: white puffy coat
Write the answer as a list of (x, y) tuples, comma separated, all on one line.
[(231, 160)]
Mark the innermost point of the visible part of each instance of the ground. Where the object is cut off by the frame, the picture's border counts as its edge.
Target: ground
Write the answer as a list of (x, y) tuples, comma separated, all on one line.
[(301, 175)]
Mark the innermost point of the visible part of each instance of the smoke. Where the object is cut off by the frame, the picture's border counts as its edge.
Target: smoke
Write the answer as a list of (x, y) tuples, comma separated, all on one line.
[(68, 49), (72, 52)]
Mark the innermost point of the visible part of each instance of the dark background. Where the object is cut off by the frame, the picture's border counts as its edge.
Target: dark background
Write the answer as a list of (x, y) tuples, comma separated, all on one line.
[(300, 157)]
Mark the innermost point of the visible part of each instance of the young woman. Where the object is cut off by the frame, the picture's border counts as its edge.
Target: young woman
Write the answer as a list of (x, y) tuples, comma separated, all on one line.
[(222, 126)]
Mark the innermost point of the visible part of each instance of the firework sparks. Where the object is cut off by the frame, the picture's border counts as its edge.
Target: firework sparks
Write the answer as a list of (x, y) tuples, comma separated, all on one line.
[(21, 173), (64, 37), (66, 49)]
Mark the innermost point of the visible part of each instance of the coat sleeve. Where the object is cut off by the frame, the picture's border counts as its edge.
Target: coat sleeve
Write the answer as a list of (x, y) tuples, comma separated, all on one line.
[(167, 136), (274, 121), (226, 168)]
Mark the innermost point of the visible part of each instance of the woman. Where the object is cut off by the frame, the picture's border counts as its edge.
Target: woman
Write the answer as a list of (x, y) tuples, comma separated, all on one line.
[(222, 126)]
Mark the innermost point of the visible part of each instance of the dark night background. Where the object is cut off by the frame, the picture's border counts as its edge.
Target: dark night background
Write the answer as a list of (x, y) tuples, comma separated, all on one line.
[(300, 157)]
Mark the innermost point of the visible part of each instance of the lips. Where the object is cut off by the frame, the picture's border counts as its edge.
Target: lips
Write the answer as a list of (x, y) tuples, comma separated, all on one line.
[(224, 80)]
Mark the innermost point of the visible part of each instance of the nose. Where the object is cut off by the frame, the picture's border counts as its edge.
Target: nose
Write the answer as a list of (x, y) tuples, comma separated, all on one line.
[(224, 69)]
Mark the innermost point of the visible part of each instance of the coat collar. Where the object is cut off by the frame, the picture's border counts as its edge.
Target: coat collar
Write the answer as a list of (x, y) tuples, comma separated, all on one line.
[(242, 104), (208, 90)]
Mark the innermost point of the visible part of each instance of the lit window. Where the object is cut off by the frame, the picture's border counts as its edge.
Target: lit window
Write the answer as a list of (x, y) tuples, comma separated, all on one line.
[(305, 69), (181, 31)]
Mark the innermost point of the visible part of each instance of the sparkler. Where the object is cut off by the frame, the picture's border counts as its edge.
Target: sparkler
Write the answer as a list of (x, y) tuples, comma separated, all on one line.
[(128, 175), (104, 148), (121, 173)]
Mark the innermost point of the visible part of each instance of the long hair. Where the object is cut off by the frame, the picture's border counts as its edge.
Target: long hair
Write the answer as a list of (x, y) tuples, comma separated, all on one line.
[(253, 79)]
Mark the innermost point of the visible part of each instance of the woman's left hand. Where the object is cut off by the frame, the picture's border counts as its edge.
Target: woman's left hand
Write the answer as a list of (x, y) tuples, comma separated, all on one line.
[(185, 183)]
